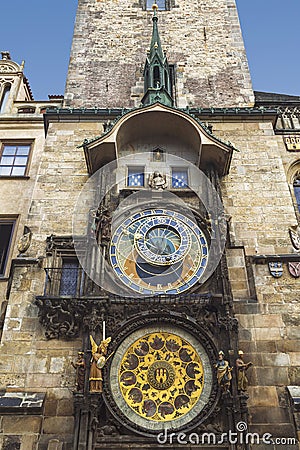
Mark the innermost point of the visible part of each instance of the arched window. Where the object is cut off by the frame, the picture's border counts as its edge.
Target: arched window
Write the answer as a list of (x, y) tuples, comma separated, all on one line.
[(4, 98), (156, 77), (296, 186)]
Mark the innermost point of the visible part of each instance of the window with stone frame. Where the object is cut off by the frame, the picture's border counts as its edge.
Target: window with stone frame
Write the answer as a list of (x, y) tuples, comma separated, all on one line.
[(163, 5), (180, 178), (69, 276), (63, 272), (136, 176), (6, 234), (296, 186), (14, 158)]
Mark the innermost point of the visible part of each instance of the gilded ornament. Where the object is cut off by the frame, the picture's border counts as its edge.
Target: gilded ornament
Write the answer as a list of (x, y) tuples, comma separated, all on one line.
[(161, 376)]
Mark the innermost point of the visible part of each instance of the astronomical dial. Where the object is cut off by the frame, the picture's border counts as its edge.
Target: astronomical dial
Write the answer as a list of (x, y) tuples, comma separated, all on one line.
[(158, 251), (160, 378)]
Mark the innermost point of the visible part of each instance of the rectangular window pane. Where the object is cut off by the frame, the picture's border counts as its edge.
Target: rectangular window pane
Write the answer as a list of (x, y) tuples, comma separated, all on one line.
[(18, 171), (6, 229), (7, 161), (179, 178), (24, 150), (135, 176), (69, 277), (20, 161), (5, 171), (9, 150)]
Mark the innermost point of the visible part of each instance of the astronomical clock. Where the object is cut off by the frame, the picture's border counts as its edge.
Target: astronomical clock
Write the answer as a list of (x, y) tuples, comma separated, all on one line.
[(168, 327), (158, 251), (159, 290)]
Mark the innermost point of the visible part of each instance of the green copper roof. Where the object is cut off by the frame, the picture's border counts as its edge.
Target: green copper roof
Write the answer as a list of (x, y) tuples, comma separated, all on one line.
[(157, 80), (155, 47)]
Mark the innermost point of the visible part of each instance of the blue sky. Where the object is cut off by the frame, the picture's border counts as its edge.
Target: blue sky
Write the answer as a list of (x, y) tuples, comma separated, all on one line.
[(40, 32)]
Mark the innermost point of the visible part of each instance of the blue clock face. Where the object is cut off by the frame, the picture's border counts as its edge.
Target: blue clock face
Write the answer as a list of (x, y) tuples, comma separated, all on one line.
[(158, 251)]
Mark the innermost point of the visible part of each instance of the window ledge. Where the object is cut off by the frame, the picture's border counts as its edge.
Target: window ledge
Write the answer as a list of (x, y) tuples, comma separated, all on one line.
[(15, 177)]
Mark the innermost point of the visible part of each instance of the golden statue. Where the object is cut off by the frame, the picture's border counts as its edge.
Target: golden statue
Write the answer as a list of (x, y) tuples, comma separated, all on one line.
[(224, 375), (242, 367), (97, 363)]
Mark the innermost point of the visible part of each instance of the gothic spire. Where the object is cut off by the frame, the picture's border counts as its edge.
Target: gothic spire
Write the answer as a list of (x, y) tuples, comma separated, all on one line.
[(155, 46), (157, 80)]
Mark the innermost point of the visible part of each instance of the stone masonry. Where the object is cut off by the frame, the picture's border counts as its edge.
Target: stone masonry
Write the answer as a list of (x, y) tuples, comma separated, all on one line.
[(202, 39)]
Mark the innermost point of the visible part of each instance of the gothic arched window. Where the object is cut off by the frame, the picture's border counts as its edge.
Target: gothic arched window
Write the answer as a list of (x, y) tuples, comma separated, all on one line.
[(4, 98), (296, 185)]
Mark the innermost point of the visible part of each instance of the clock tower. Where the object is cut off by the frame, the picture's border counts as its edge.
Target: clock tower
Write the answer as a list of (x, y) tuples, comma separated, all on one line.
[(150, 228)]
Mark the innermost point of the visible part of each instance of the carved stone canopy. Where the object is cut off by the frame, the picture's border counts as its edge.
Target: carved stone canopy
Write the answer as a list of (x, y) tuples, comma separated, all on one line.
[(141, 125)]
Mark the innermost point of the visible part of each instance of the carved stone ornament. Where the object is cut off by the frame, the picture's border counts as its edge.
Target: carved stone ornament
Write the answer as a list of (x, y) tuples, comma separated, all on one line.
[(295, 237), (25, 240), (276, 269), (65, 318), (294, 269), (60, 317), (158, 181), (56, 243), (5, 68)]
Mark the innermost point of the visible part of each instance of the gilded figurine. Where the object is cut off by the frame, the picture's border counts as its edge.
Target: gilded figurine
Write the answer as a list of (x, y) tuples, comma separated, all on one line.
[(158, 181), (97, 363), (241, 368), (224, 375), (79, 365)]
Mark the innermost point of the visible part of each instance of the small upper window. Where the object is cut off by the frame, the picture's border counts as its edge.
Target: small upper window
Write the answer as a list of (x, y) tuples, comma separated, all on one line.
[(6, 231), (26, 110), (296, 185), (4, 98), (14, 160), (179, 178), (160, 3), (136, 177)]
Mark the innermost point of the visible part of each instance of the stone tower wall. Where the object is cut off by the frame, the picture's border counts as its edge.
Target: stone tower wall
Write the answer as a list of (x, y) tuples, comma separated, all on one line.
[(202, 39)]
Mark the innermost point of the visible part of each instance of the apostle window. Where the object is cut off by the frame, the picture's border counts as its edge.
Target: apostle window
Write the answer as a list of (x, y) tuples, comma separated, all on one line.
[(6, 232), (179, 178), (136, 177), (14, 160)]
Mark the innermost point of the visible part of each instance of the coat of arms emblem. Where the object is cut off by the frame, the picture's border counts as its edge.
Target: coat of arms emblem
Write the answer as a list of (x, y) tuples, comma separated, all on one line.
[(276, 269), (294, 269), (295, 237)]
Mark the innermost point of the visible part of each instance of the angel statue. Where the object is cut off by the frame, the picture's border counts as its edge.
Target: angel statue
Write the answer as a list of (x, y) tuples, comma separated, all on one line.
[(97, 363)]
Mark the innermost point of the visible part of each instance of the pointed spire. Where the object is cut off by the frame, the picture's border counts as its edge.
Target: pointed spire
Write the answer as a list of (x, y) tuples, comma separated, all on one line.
[(155, 46), (157, 83)]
